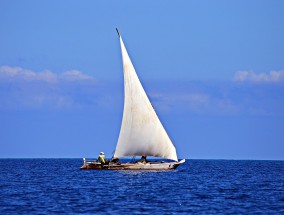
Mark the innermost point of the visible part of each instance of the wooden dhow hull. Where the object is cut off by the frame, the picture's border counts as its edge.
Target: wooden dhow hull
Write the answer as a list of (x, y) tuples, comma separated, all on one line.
[(132, 166)]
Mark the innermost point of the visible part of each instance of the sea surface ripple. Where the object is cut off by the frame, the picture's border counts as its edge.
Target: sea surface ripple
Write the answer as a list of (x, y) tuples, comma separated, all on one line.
[(57, 186)]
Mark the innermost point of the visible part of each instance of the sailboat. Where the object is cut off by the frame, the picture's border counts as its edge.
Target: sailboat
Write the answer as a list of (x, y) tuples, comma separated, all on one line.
[(141, 133)]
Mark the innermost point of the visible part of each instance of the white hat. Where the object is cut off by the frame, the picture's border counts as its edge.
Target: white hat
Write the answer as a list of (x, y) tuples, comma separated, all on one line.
[(102, 153)]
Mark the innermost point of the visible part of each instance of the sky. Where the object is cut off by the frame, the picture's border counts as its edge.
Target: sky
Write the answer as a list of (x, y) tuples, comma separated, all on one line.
[(214, 71)]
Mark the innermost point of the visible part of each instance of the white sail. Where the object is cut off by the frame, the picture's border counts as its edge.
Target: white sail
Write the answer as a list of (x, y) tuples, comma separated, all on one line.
[(141, 131)]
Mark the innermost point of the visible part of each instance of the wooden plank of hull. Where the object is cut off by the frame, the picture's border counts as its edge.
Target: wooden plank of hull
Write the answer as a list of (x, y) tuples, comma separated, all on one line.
[(131, 166)]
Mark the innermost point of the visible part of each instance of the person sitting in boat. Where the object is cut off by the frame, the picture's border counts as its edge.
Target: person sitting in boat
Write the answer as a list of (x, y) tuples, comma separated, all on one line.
[(101, 158), (143, 159)]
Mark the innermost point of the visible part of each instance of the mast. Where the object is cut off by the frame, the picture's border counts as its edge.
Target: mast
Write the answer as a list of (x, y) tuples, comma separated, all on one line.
[(117, 32)]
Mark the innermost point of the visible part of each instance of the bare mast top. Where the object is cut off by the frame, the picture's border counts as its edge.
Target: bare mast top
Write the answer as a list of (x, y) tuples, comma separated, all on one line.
[(117, 32)]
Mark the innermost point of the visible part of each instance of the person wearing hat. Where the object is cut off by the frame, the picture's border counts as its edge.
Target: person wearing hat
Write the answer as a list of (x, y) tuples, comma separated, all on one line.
[(101, 158)]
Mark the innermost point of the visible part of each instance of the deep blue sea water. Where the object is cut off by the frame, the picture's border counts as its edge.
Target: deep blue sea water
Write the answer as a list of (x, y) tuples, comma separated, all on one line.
[(57, 186)]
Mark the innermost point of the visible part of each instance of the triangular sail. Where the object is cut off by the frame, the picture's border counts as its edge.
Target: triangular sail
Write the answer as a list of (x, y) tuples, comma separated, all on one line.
[(141, 131)]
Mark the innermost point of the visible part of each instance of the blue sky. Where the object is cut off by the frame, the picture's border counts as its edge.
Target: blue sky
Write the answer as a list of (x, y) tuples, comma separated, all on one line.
[(214, 71)]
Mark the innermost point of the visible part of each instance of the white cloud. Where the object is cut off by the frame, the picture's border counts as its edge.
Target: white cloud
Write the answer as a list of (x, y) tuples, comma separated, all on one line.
[(75, 75), (8, 73), (271, 77), (19, 74)]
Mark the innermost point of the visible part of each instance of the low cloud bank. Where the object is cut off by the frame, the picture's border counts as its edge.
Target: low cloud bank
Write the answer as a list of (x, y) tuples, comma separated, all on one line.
[(25, 89), (227, 98), (22, 89)]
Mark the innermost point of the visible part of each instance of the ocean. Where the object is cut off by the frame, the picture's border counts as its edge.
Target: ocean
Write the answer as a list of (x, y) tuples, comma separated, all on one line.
[(57, 186)]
